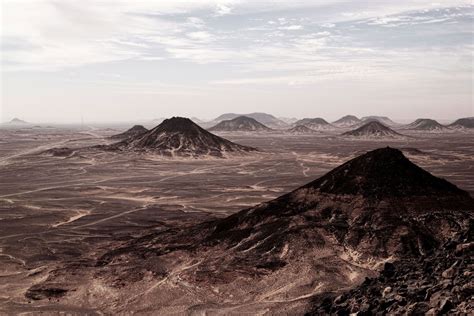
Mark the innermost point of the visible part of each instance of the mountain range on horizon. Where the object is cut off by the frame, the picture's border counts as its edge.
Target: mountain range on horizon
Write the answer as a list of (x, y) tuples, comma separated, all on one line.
[(347, 121)]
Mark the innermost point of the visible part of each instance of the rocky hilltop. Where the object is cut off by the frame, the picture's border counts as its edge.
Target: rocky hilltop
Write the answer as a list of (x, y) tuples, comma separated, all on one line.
[(436, 283), (426, 125), (181, 137), (373, 129), (279, 256), (240, 124), (132, 132)]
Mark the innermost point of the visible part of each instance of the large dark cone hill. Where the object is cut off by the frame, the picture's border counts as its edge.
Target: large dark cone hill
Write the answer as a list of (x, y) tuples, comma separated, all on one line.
[(326, 236), (135, 131), (181, 137), (373, 129), (240, 124)]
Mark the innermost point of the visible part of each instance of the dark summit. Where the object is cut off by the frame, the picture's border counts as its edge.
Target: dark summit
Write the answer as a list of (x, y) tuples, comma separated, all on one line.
[(384, 172), (181, 137)]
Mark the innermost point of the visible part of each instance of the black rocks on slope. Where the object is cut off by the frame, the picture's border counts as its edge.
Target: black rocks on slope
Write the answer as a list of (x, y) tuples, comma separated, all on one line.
[(438, 283)]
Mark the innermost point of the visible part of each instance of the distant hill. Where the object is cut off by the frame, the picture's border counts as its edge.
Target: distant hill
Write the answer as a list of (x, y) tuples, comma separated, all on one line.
[(288, 120), (347, 121), (264, 118), (373, 129), (382, 119), (301, 129), (426, 125), (240, 124), (197, 120), (315, 123), (466, 122), (132, 132), (16, 123), (180, 137)]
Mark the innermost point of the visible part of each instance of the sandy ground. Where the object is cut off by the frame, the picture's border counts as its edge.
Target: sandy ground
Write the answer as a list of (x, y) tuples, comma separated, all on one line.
[(57, 209)]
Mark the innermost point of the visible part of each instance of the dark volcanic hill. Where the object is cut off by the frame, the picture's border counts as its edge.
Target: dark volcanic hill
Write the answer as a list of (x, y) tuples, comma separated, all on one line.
[(315, 123), (181, 137), (426, 125), (346, 121), (240, 124), (324, 237), (373, 129), (301, 129), (132, 132), (467, 122), (381, 119), (264, 118)]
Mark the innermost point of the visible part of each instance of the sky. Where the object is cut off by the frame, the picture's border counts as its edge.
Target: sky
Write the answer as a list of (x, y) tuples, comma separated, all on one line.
[(135, 60)]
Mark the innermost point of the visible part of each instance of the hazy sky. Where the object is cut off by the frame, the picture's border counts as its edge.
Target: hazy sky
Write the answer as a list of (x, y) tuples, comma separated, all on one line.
[(138, 60)]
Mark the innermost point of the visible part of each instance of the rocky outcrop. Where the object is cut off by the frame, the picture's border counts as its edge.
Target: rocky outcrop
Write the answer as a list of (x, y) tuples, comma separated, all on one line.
[(440, 282)]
